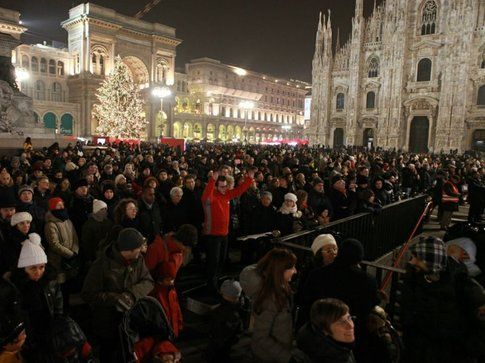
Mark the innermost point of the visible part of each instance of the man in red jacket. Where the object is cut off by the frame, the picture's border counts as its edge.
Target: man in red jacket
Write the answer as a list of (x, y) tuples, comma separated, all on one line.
[(215, 200)]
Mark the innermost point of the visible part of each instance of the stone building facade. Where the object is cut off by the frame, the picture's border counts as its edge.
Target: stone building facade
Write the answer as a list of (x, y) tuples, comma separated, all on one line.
[(48, 69), (212, 98), (411, 76), (96, 35)]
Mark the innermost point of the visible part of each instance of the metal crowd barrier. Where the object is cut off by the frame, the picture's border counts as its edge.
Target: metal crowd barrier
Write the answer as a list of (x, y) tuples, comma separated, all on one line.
[(379, 234)]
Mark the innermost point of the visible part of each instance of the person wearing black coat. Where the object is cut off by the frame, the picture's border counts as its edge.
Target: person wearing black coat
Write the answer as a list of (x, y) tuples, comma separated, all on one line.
[(264, 216), (346, 281), (42, 193), (149, 215), (342, 200), (81, 206), (382, 197), (248, 202), (191, 200), (17, 234), (440, 308), (175, 213), (476, 197), (40, 300), (317, 200), (27, 204)]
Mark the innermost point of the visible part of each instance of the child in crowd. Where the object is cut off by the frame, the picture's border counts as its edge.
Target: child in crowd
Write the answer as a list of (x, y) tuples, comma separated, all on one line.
[(226, 323)]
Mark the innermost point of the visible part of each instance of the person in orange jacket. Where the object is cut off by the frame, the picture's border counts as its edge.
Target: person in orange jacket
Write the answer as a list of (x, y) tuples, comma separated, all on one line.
[(215, 200), (163, 259)]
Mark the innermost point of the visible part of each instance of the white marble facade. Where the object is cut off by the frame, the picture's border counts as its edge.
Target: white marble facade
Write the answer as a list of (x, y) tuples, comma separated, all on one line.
[(411, 76)]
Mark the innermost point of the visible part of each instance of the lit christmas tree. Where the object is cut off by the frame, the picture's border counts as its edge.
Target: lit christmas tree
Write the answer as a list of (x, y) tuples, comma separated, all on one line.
[(120, 111)]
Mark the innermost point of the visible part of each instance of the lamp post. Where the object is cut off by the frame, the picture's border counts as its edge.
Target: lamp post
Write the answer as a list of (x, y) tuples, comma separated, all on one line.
[(246, 106), (160, 92)]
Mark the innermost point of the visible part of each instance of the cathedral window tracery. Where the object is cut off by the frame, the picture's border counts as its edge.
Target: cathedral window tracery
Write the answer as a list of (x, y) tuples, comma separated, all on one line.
[(340, 102), (424, 70), (429, 16), (373, 69), (481, 96)]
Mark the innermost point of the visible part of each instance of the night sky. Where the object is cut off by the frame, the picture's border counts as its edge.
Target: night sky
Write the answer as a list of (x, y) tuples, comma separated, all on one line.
[(276, 37)]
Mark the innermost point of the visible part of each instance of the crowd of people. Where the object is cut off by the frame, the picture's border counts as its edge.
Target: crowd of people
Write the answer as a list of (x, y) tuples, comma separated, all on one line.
[(116, 223)]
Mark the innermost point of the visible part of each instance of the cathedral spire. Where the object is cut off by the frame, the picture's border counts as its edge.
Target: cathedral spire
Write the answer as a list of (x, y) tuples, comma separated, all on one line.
[(337, 44), (359, 9), (319, 38), (328, 37)]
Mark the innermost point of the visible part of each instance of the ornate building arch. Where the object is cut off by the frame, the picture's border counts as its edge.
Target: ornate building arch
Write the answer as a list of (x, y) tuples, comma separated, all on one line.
[(373, 66), (138, 70), (416, 110), (428, 17)]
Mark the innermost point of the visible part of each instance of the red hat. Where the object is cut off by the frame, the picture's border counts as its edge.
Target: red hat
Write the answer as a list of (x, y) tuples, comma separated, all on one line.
[(165, 347), (53, 202)]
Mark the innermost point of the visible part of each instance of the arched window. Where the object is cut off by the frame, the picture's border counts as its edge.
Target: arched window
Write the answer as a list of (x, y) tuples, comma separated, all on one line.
[(424, 70), (98, 59), (340, 104), (373, 70), (52, 66), (60, 68), (56, 92), (428, 19), (101, 64), (481, 96), (43, 65), (25, 62), (370, 102), (35, 64), (39, 91)]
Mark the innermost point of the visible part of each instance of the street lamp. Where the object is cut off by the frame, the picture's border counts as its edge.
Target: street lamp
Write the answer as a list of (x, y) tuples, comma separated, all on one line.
[(246, 106), (161, 92)]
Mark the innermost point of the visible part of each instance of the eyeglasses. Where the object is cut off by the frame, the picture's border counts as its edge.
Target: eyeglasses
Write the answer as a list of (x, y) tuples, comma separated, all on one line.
[(330, 250)]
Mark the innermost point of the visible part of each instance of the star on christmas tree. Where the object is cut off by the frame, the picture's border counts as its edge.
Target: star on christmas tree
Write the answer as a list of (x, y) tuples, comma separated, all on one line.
[(120, 112)]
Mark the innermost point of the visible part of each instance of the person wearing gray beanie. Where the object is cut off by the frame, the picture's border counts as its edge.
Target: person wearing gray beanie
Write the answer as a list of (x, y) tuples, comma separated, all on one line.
[(126, 280), (129, 239), (226, 323)]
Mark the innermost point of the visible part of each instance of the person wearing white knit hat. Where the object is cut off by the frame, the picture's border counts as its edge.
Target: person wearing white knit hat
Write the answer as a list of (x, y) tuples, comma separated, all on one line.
[(291, 196), (94, 230), (98, 205), (324, 248), (20, 217), (32, 257)]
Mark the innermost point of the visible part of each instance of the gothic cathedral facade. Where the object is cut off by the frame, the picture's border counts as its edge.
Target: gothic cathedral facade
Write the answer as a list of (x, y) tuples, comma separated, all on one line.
[(411, 77)]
